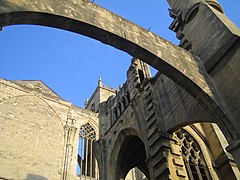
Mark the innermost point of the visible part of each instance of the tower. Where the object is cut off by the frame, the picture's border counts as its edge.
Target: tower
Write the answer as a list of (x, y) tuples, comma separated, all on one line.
[(100, 94), (137, 72), (119, 100)]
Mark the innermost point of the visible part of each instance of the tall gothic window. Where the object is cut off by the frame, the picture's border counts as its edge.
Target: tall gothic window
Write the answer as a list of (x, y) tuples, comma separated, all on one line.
[(86, 158), (193, 158)]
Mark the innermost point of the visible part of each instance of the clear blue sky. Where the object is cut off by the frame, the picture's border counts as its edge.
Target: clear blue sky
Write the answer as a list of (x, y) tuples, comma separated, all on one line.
[(69, 63)]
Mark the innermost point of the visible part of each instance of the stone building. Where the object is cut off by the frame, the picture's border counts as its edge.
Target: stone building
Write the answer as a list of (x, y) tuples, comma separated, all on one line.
[(180, 124), (196, 151), (33, 117)]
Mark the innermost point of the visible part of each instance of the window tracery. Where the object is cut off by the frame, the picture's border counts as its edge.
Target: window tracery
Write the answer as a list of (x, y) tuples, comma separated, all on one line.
[(86, 158), (192, 155)]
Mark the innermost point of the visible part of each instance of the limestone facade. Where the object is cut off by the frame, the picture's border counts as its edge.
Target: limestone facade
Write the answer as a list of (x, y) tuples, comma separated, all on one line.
[(31, 112), (138, 133), (180, 124), (39, 132)]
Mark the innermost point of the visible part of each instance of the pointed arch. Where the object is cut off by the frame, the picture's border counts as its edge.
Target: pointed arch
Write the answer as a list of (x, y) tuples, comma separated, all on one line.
[(128, 152), (91, 20), (196, 155)]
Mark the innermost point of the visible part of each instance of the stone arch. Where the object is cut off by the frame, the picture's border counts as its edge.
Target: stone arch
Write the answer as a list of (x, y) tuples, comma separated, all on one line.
[(94, 125), (128, 152), (91, 20), (180, 108), (86, 118)]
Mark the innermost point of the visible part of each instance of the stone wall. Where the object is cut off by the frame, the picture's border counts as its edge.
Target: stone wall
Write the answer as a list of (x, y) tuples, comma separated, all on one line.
[(39, 131), (77, 16)]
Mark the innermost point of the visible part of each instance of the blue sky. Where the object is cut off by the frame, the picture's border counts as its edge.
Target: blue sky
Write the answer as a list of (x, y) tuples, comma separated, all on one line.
[(70, 63)]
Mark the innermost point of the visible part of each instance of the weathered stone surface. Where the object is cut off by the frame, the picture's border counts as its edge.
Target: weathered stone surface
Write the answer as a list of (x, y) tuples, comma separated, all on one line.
[(137, 137), (34, 124), (205, 31), (137, 123), (226, 76), (21, 155), (178, 108), (91, 20), (157, 106)]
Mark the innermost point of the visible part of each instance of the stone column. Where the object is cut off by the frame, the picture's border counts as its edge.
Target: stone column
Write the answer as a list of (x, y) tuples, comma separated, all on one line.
[(69, 131)]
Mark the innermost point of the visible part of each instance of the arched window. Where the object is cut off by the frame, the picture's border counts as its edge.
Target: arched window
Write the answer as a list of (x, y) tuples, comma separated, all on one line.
[(87, 165), (193, 158)]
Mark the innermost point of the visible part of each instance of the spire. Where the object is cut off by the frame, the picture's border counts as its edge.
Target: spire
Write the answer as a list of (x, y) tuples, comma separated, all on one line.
[(100, 82)]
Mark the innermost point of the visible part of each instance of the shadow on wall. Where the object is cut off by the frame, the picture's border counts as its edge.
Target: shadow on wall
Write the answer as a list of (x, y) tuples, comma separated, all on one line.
[(35, 177)]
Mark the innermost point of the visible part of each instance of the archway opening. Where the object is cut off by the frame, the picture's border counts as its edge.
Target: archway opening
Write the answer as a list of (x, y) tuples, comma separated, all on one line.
[(132, 154)]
